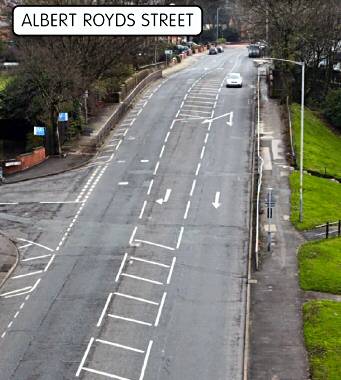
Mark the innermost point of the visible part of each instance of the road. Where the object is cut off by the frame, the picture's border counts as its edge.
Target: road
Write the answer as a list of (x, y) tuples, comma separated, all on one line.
[(134, 267)]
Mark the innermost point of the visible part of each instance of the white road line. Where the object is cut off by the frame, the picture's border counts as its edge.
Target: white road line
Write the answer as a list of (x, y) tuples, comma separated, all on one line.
[(188, 115), (120, 346), (27, 274), (198, 169), (35, 258), (167, 136), (144, 161), (129, 320), (198, 97), (157, 320), (59, 202), (142, 209), (106, 374), (84, 356), (198, 101), (9, 203), (15, 291), (37, 244), (132, 236), (156, 167), (25, 246), (145, 362), (149, 262), (118, 145), (171, 271), (150, 187), (49, 263), (141, 278), (104, 310), (206, 138), (125, 183), (155, 244), (192, 110), (202, 153), (193, 187), (121, 267), (187, 209), (162, 150), (3, 334), (16, 314), (180, 237), (190, 105), (136, 298)]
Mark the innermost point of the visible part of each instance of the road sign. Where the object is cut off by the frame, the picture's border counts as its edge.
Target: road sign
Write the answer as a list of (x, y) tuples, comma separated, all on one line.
[(39, 131), (12, 163), (63, 116)]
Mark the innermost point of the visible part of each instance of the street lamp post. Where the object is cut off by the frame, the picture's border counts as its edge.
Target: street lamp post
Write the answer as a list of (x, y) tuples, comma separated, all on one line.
[(302, 64), (218, 23)]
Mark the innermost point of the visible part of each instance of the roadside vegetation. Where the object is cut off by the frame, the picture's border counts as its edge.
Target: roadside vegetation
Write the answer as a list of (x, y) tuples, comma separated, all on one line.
[(4, 80), (319, 266), (322, 334), (322, 147), (322, 201)]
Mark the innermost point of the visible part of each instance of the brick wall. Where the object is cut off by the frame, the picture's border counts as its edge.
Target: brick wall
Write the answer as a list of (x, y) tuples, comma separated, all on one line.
[(28, 160)]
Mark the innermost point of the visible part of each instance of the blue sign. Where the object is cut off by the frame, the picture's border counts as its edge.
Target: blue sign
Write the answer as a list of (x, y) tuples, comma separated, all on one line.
[(39, 131), (63, 116)]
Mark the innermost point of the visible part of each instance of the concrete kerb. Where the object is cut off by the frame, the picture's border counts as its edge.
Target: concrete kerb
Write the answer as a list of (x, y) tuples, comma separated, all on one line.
[(246, 348), (9, 273)]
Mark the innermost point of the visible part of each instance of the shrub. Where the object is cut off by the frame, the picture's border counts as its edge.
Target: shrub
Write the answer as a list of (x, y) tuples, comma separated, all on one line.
[(332, 107)]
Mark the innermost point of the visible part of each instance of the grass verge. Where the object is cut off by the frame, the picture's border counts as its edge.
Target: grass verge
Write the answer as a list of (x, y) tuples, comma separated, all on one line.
[(322, 147), (319, 266), (321, 201), (322, 334)]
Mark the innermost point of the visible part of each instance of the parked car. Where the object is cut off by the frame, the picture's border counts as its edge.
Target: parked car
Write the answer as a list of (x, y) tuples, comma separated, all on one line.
[(234, 80), (213, 51), (220, 49), (254, 51)]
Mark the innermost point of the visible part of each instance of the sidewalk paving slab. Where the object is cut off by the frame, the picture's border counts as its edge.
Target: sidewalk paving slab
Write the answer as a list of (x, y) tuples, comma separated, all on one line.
[(277, 350)]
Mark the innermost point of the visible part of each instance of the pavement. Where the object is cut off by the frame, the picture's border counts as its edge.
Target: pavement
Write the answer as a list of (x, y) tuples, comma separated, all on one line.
[(134, 265), (277, 349)]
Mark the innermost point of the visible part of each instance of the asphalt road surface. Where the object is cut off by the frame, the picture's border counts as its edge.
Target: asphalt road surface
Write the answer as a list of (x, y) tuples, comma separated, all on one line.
[(134, 267)]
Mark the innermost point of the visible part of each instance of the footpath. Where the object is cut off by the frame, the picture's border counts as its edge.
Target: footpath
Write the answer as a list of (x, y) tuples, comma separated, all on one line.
[(81, 151), (277, 349)]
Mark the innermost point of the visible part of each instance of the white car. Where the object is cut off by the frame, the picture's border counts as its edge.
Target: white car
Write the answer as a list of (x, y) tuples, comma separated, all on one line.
[(234, 80)]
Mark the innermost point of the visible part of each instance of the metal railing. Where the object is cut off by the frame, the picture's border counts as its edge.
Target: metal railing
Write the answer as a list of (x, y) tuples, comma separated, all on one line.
[(260, 174), (331, 229)]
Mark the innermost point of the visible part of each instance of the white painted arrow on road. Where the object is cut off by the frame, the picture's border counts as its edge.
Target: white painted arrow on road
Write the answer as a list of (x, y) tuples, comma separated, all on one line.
[(166, 198), (229, 122), (216, 204)]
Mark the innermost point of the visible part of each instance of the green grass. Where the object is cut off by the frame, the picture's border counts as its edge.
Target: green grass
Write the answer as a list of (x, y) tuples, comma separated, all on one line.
[(319, 265), (321, 201), (322, 147), (322, 334)]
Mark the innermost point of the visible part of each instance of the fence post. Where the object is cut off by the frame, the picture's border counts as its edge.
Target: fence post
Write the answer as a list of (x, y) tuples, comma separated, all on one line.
[(327, 230), (339, 229)]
